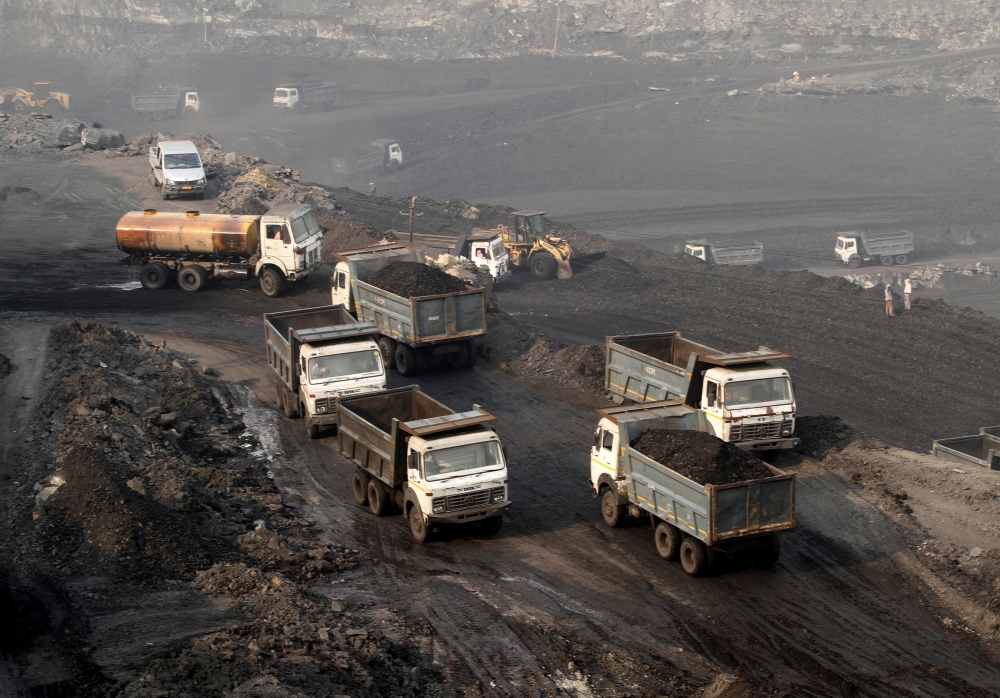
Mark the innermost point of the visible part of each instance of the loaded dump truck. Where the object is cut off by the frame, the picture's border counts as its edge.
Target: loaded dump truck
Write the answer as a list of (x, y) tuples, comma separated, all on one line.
[(746, 401), (385, 156), (183, 102), (280, 246), (320, 356), (885, 248), (727, 255), (439, 467), (313, 96), (416, 332), (691, 520)]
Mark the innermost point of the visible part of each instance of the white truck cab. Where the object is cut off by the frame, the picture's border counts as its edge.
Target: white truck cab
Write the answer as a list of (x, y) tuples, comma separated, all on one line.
[(330, 371), (488, 253), (177, 169), (604, 458), (749, 403), (291, 242)]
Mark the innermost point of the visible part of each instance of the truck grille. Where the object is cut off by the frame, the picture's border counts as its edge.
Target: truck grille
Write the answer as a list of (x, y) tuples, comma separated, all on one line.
[(751, 432), (472, 500), (326, 405)]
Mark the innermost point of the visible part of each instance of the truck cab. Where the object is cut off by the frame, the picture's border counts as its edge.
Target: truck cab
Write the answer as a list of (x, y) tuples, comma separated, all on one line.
[(750, 404), (328, 372), (488, 253), (287, 97), (605, 466), (849, 250), (177, 169), (191, 104), (392, 154), (291, 243), (699, 250)]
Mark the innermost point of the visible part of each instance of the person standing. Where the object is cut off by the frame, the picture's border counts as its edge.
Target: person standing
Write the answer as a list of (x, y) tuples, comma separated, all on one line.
[(372, 194), (889, 312), (907, 293)]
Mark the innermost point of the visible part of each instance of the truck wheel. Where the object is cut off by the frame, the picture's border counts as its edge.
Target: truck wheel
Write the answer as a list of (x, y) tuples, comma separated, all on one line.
[(418, 527), (769, 554), (491, 526), (359, 485), (406, 360), (668, 540), (271, 283), (694, 557), (543, 266), (144, 115), (291, 405), (188, 112), (611, 510), (387, 346), (886, 261), (192, 278), (154, 276), (901, 259), (314, 431), (854, 262), (378, 498), (20, 106), (157, 116)]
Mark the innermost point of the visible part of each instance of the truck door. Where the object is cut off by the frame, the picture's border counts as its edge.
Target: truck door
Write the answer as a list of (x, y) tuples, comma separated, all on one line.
[(340, 287), (395, 153), (604, 453), (712, 404), (278, 244)]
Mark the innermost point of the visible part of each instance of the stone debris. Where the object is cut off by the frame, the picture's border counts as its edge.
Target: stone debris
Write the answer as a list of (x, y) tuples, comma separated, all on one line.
[(42, 130)]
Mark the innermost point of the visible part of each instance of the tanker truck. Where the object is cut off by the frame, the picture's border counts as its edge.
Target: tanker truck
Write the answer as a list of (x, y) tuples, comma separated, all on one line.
[(280, 246)]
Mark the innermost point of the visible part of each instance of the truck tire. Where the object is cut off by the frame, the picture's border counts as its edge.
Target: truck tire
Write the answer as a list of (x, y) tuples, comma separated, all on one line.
[(378, 498), (288, 404), (886, 260), (152, 179), (154, 276), (694, 557), (491, 526), (188, 112), (768, 554), (901, 259), (192, 278), (20, 106), (387, 345), (359, 486), (271, 283), (612, 512), (157, 116), (406, 360), (418, 527), (165, 196), (144, 115), (543, 266), (854, 262), (668, 540)]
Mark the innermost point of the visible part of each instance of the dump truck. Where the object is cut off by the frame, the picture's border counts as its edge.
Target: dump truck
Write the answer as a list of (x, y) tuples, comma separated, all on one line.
[(384, 156), (487, 252), (297, 97), (21, 100), (531, 248), (439, 467), (981, 450), (280, 246), (692, 521), (884, 248), (321, 355), (182, 102), (177, 170), (746, 401), (415, 332), (729, 254)]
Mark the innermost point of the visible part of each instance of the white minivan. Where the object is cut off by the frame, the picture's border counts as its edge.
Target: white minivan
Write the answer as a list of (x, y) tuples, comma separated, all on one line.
[(177, 169)]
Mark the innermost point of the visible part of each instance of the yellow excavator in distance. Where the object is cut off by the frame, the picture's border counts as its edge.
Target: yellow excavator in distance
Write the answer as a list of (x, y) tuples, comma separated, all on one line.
[(530, 247), (21, 100)]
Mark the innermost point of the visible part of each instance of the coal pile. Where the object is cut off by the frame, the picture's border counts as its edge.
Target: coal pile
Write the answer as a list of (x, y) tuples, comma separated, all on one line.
[(701, 457), (6, 367), (413, 279)]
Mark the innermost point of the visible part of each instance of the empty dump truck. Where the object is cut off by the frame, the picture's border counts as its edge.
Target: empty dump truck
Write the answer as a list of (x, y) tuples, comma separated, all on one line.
[(982, 450), (439, 467), (692, 521), (883, 248), (746, 401), (321, 355), (729, 254), (416, 332)]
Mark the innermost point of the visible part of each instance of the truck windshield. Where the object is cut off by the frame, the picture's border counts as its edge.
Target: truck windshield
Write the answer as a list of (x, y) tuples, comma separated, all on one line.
[(181, 161), (326, 369), (304, 227), (281, 94), (462, 460), (757, 393), (497, 249)]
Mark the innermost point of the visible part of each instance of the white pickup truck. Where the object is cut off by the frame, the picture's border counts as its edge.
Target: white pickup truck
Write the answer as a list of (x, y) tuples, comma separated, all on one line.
[(177, 169)]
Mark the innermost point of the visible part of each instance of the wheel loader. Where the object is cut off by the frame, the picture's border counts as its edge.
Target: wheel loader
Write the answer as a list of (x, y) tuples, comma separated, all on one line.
[(531, 248), (21, 100)]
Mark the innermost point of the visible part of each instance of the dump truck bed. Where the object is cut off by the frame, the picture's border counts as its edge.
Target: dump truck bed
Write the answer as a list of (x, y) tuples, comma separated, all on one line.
[(738, 255), (982, 450), (888, 243), (424, 319)]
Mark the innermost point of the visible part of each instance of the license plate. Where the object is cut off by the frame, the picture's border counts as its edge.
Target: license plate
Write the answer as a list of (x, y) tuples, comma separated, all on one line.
[(185, 187)]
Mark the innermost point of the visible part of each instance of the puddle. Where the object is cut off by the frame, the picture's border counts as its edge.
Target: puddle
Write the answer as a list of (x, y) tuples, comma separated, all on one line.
[(127, 286)]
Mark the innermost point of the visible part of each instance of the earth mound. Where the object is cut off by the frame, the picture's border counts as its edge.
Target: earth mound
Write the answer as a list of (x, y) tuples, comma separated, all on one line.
[(701, 457), (6, 367), (413, 279)]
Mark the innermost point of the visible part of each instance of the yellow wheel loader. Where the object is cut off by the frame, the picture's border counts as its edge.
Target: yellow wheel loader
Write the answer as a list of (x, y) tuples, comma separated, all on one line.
[(531, 248), (20, 100)]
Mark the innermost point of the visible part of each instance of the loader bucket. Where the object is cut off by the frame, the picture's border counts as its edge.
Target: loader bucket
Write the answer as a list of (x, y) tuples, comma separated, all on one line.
[(563, 270)]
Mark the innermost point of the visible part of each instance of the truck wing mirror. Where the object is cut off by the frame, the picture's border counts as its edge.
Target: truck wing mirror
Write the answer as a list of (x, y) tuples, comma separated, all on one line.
[(414, 461)]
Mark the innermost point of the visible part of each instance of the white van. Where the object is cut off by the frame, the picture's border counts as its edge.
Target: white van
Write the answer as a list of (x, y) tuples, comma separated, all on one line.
[(177, 169)]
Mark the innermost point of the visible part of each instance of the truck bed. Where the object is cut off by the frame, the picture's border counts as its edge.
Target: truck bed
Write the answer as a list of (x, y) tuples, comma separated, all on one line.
[(981, 450), (423, 320), (889, 243)]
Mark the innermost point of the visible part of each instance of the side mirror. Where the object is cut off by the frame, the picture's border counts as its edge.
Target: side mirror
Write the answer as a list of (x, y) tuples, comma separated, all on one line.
[(414, 461)]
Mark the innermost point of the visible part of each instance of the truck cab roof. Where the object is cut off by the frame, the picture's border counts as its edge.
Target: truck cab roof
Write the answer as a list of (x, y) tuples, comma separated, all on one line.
[(289, 210), (176, 147), (737, 373)]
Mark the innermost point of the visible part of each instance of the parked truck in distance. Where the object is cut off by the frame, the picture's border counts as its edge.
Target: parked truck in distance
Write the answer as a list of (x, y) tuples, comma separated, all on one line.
[(321, 355), (280, 246), (439, 467), (882, 248), (415, 332), (730, 254), (691, 521), (384, 156), (183, 102), (746, 401), (177, 169), (298, 97)]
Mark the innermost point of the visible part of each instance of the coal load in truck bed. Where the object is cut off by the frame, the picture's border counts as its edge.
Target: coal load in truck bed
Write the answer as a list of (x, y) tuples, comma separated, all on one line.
[(413, 279), (701, 457)]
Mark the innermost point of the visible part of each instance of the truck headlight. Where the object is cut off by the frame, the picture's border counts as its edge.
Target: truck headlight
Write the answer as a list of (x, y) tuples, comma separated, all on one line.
[(201, 181), (498, 494), (439, 505), (787, 427), (320, 408)]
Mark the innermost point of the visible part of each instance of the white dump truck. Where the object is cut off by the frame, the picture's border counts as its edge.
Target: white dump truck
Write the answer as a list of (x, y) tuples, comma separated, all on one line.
[(729, 254), (487, 252), (177, 169), (297, 97), (384, 156), (284, 244), (320, 356), (884, 248), (439, 467)]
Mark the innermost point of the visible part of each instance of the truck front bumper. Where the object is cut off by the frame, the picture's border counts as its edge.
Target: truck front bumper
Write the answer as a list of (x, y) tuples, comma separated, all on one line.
[(469, 515), (768, 444), (184, 189), (323, 420)]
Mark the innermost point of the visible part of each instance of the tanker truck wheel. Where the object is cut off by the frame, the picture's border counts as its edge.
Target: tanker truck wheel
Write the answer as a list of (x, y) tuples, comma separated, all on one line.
[(271, 283), (154, 276), (611, 510), (694, 557), (406, 360), (192, 278), (359, 486), (668, 540)]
